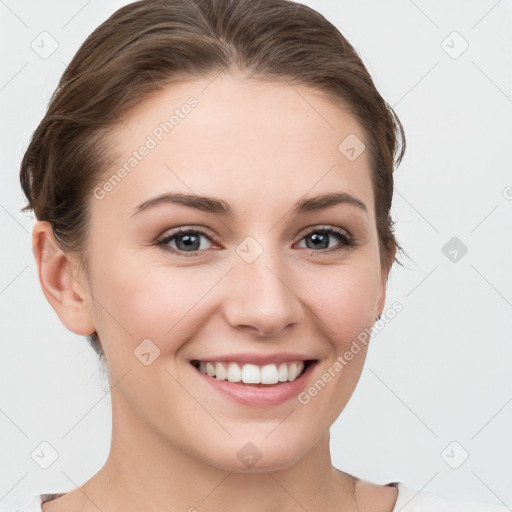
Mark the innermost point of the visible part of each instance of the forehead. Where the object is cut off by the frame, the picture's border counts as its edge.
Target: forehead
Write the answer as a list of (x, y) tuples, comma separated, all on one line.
[(240, 139)]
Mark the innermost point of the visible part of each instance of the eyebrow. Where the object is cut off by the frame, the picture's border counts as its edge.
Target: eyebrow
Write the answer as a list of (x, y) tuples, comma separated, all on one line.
[(220, 207)]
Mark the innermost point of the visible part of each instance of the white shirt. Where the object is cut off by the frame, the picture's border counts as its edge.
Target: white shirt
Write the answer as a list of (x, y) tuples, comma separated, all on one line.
[(409, 500)]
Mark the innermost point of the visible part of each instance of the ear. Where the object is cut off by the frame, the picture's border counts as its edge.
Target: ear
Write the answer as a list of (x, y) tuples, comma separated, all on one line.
[(60, 281), (384, 280)]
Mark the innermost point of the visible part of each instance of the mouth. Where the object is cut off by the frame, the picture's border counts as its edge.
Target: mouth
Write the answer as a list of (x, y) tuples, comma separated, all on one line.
[(254, 375), (254, 385)]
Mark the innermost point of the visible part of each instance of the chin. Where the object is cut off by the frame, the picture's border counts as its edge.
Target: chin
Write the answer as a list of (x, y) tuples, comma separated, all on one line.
[(258, 455)]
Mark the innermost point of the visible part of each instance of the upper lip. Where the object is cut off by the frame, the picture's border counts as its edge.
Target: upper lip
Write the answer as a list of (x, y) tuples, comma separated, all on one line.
[(254, 358)]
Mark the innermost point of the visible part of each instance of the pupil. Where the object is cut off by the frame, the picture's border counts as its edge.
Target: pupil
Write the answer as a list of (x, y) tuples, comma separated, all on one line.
[(190, 241), (322, 239)]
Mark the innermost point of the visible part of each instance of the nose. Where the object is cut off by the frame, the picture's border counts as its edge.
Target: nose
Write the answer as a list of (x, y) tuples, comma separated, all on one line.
[(260, 296)]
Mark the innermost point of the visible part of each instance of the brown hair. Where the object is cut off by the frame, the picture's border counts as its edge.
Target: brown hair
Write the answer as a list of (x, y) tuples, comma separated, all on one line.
[(149, 44)]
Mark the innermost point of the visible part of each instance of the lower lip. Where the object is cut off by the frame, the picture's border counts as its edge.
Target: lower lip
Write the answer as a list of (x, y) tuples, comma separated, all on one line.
[(259, 395)]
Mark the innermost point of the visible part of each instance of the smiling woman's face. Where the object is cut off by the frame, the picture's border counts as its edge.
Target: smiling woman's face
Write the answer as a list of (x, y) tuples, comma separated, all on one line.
[(259, 280)]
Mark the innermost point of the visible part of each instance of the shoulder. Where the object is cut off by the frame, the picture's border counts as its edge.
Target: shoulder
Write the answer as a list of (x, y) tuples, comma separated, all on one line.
[(413, 500), (376, 498)]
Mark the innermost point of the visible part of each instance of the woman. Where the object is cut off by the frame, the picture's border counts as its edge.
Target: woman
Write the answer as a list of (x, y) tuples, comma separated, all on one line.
[(213, 182)]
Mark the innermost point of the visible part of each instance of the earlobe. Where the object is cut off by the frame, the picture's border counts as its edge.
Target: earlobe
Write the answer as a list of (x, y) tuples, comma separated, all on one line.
[(60, 282)]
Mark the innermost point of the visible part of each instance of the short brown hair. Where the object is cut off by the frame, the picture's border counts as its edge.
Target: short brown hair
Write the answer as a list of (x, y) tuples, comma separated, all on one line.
[(149, 44)]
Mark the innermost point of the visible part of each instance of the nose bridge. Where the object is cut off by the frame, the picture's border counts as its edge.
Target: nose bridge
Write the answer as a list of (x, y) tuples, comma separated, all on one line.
[(261, 296)]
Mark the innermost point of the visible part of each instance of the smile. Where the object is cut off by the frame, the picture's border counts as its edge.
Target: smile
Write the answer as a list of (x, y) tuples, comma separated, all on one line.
[(268, 374)]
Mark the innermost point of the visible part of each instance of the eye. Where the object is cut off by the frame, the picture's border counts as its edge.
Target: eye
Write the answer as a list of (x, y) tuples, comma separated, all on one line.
[(189, 242), (186, 242), (320, 238)]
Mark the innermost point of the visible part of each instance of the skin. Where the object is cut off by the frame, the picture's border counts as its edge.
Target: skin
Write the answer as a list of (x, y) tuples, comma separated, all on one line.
[(259, 146)]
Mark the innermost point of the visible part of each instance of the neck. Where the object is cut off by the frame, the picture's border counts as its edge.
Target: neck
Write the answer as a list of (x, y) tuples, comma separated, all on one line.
[(154, 475)]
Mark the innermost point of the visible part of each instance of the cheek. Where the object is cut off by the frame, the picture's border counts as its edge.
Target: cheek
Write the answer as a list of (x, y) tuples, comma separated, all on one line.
[(343, 300), (150, 301)]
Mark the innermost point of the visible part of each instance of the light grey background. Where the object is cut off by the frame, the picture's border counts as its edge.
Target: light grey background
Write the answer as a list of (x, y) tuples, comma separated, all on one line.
[(437, 376)]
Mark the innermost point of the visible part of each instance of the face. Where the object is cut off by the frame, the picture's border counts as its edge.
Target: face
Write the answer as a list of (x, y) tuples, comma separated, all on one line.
[(262, 275)]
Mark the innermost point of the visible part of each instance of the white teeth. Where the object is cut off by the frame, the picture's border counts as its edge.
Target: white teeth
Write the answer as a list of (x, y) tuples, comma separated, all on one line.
[(252, 373), (269, 374), (210, 369), (282, 373), (292, 371), (234, 373), (220, 372)]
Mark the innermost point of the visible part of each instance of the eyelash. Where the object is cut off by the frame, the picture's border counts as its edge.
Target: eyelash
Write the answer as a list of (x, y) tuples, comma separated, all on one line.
[(347, 241)]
